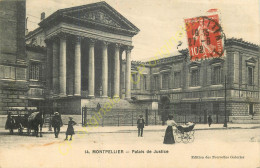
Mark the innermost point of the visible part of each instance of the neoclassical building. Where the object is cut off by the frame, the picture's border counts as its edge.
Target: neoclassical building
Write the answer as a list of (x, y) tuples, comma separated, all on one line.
[(84, 47)]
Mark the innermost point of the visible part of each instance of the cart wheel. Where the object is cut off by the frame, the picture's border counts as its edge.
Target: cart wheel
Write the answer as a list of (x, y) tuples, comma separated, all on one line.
[(20, 130), (28, 131), (191, 139), (178, 137), (11, 131), (192, 132), (185, 137)]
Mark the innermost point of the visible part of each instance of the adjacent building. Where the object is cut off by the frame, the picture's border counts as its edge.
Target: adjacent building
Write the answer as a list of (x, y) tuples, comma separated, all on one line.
[(13, 59), (198, 88)]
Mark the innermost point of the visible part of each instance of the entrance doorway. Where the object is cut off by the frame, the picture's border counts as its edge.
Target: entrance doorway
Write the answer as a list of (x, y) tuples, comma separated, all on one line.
[(164, 108)]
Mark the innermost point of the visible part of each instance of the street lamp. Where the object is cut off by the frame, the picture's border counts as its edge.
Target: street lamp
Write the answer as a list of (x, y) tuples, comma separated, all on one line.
[(225, 121)]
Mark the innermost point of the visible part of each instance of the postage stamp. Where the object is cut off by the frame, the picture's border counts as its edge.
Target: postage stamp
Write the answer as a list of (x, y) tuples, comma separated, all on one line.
[(205, 36)]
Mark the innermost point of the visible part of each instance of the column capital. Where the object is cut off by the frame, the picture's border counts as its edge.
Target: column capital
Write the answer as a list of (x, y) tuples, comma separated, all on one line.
[(52, 39), (105, 43), (128, 48), (92, 41), (78, 38), (117, 45), (48, 41), (62, 35)]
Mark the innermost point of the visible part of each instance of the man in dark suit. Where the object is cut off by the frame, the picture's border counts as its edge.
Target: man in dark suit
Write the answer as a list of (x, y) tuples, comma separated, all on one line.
[(210, 120), (56, 123), (140, 125)]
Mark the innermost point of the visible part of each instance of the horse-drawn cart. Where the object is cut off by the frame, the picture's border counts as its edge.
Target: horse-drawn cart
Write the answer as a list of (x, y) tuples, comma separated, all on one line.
[(21, 118)]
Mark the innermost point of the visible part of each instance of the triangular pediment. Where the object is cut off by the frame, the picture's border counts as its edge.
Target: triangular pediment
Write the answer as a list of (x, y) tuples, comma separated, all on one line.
[(216, 60), (251, 59), (97, 15), (193, 64)]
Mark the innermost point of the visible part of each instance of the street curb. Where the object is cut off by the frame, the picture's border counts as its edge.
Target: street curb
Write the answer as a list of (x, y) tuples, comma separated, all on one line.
[(155, 130), (149, 130)]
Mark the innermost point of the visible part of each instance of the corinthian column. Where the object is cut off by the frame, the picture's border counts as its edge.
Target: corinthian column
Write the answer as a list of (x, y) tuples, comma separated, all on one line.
[(49, 65), (128, 73), (62, 75), (55, 70), (77, 66), (104, 69), (91, 70), (116, 71)]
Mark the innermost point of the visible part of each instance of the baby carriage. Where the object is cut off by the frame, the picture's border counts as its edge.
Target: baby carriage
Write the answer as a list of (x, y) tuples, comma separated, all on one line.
[(185, 133)]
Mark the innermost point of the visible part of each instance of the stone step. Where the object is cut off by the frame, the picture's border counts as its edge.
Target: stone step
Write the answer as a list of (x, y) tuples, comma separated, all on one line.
[(116, 103), (244, 119)]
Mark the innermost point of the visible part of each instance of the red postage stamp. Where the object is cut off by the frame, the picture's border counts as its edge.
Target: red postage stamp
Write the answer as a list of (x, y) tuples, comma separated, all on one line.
[(204, 37)]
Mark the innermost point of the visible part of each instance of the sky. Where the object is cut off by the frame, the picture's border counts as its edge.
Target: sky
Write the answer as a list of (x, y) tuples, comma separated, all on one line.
[(161, 20)]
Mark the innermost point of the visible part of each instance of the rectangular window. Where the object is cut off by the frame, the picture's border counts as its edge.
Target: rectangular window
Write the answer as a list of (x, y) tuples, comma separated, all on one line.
[(165, 81), (144, 82), (216, 75), (195, 77), (155, 83), (7, 72), (250, 75), (251, 109), (177, 79), (216, 108), (193, 108), (133, 81), (35, 71)]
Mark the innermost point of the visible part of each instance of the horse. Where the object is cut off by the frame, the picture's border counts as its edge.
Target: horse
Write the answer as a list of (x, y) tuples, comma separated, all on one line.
[(34, 121)]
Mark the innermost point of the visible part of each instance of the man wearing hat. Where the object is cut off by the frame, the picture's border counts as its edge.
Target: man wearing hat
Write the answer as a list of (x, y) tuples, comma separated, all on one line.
[(140, 125), (56, 124)]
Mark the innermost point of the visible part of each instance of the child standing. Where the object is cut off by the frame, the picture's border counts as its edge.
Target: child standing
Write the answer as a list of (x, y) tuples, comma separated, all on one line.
[(70, 129)]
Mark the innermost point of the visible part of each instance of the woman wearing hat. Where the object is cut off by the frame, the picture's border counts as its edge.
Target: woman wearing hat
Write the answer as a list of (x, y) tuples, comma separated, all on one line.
[(70, 129), (168, 138)]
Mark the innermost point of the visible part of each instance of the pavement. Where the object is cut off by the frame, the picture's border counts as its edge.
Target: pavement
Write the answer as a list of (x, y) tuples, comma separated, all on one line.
[(153, 128)]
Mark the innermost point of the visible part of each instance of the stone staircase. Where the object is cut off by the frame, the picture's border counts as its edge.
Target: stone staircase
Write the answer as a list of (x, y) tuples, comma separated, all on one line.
[(115, 104)]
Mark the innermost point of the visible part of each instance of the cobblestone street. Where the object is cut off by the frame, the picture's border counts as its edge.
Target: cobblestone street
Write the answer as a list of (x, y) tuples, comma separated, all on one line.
[(231, 143)]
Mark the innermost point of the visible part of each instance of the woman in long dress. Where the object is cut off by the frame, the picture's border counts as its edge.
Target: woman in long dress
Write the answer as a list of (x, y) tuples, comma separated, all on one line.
[(70, 129), (168, 138)]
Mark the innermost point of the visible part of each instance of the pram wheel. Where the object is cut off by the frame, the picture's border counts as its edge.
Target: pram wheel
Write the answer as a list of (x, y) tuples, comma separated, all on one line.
[(178, 136), (185, 137)]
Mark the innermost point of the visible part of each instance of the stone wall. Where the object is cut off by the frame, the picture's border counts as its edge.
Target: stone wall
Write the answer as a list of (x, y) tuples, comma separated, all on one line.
[(123, 117), (10, 98), (239, 109)]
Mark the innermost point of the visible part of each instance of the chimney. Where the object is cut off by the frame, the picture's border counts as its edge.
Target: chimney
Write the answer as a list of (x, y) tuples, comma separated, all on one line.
[(42, 15)]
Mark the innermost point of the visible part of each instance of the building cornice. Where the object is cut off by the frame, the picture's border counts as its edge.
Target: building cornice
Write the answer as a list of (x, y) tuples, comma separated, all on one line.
[(35, 48), (241, 43)]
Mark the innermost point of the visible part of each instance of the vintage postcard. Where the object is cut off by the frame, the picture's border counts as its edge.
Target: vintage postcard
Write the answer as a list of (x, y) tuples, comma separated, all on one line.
[(129, 83)]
